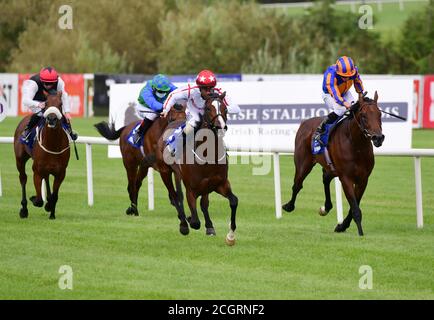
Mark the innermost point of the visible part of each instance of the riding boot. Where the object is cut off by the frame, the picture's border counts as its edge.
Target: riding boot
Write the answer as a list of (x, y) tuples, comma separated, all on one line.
[(144, 126), (34, 120), (331, 118)]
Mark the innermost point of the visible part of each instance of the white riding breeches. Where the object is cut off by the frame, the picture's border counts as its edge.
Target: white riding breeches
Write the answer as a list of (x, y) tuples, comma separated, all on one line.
[(336, 107)]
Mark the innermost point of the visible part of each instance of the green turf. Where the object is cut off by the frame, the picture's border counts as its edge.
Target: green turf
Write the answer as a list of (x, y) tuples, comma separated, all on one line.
[(297, 257), (388, 19)]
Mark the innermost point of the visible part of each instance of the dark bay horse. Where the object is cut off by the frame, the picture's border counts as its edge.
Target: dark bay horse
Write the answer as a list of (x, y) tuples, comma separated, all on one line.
[(50, 156), (351, 152), (134, 162), (203, 173)]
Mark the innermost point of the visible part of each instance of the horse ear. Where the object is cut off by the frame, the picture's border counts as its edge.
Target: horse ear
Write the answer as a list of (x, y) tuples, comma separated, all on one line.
[(59, 94), (361, 98), (375, 96), (223, 95)]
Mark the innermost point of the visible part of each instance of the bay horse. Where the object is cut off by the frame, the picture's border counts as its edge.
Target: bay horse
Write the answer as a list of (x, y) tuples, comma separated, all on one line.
[(352, 156), (205, 174), (137, 165), (50, 156)]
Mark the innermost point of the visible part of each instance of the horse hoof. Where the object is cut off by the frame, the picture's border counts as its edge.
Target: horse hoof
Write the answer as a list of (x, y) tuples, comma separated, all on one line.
[(288, 207), (230, 242), (184, 230), (47, 207), (323, 212), (52, 217), (340, 228), (195, 224), (210, 232), (132, 211), (37, 203), (24, 213)]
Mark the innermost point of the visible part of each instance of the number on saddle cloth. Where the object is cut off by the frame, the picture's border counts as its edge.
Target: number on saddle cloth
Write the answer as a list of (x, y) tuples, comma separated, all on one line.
[(130, 137), (318, 147), (171, 141)]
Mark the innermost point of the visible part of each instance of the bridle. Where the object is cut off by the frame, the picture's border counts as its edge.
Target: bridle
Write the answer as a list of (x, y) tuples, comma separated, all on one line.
[(366, 132), (210, 122)]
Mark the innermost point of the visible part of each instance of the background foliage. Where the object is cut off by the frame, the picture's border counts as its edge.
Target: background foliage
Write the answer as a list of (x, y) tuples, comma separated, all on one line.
[(229, 36)]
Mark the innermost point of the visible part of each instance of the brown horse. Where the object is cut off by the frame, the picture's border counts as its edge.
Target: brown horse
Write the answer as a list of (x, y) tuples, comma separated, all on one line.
[(50, 156), (137, 165), (203, 173), (352, 155)]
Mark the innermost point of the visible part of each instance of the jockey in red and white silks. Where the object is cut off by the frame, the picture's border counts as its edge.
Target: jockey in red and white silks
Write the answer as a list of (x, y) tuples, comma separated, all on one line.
[(195, 96)]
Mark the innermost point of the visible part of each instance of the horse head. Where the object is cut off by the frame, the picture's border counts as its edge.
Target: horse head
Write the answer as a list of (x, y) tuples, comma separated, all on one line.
[(216, 113), (368, 118), (53, 112)]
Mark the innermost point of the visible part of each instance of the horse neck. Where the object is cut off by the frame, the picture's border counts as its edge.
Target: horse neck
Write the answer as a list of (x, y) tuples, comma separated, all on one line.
[(54, 139), (217, 141), (356, 135)]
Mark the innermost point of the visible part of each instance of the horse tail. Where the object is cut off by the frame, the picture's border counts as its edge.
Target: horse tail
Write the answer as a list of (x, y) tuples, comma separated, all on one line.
[(107, 131)]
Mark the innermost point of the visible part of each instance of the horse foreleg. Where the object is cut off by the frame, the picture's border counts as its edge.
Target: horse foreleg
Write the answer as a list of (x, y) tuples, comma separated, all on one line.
[(132, 190), (166, 176), (37, 181), (21, 166), (179, 191), (350, 194), (301, 171), (193, 219), (52, 200), (47, 187), (204, 204), (226, 191), (326, 179)]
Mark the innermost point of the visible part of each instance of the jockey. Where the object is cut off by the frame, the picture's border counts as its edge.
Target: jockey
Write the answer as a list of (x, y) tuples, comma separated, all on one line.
[(338, 79), (35, 91), (195, 96), (151, 99)]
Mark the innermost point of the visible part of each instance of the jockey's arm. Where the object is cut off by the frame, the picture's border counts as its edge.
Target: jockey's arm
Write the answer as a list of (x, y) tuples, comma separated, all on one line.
[(150, 100), (29, 90), (358, 84), (177, 96), (66, 106)]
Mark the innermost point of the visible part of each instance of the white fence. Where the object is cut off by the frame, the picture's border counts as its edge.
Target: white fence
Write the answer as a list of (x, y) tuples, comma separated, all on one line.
[(417, 154)]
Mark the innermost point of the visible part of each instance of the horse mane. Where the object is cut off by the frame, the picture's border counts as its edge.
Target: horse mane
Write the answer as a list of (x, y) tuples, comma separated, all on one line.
[(355, 107)]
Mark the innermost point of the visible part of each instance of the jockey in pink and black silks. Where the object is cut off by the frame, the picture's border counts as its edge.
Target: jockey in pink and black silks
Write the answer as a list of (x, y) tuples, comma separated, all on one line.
[(35, 91), (337, 81)]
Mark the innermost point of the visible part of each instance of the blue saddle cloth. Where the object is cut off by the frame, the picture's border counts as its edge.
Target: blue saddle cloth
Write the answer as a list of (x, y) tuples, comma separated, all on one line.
[(318, 147), (30, 143), (172, 139), (130, 137)]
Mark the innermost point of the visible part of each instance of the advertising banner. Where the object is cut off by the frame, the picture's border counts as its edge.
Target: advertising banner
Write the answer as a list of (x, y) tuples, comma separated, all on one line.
[(428, 103), (9, 94), (271, 112)]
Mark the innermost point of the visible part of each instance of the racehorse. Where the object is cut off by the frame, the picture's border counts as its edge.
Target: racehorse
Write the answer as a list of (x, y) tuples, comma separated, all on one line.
[(203, 176), (352, 156), (137, 164), (50, 156)]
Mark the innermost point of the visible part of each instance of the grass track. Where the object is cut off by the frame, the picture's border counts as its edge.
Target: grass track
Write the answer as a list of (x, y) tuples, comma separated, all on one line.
[(114, 256)]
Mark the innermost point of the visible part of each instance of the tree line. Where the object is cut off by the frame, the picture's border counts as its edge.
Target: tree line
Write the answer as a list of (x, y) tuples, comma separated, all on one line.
[(182, 37)]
